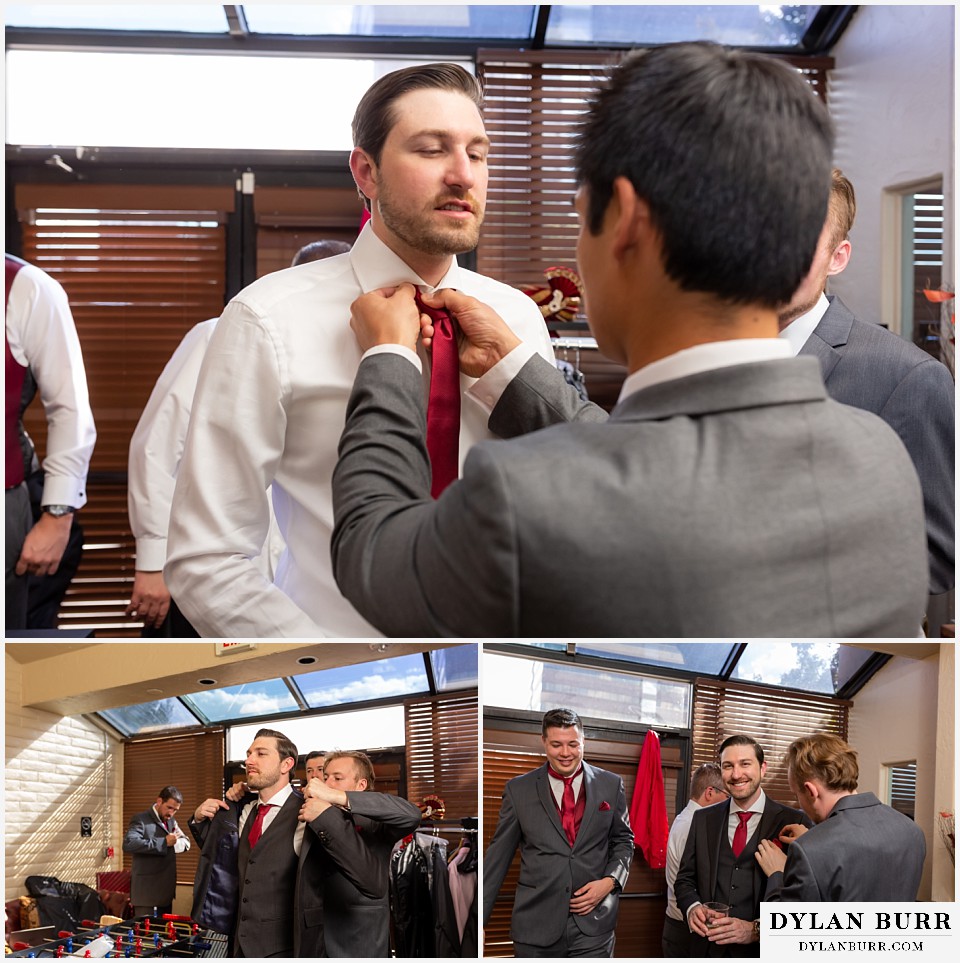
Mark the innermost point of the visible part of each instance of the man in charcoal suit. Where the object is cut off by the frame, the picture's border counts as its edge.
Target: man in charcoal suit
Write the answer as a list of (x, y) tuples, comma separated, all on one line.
[(355, 924), (859, 851), (718, 863), (570, 821)]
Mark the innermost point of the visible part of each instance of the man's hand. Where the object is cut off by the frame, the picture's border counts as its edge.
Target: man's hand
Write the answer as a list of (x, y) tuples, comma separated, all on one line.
[(770, 857), (311, 809), (150, 600), (697, 920), (729, 930), (236, 792), (44, 545), (387, 316), (486, 336), (208, 809), (791, 832), (317, 789), (587, 897), (171, 839)]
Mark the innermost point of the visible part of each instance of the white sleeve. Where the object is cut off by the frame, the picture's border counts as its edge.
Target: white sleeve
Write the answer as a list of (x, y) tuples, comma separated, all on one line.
[(157, 446), (42, 335), (220, 516)]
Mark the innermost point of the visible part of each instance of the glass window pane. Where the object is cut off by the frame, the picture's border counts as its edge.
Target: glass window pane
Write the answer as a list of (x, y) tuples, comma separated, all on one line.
[(400, 676), (690, 656), (514, 683), (736, 24), (150, 717), (455, 667), (363, 729), (799, 665), (400, 20), (180, 100), (237, 701), (196, 17)]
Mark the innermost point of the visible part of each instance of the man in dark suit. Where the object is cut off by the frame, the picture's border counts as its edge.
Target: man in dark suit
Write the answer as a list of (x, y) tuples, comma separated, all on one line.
[(859, 851), (725, 493), (570, 821), (869, 367), (354, 923), (154, 838), (718, 864), (279, 894)]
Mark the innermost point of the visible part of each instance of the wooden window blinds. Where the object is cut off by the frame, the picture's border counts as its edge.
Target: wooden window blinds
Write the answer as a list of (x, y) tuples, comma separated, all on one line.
[(194, 764)]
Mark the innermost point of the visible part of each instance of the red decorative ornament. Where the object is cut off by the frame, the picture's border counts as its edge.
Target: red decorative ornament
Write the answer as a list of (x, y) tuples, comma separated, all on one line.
[(561, 297)]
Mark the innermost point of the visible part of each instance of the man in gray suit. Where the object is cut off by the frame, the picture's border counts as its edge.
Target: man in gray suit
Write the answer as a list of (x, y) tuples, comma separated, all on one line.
[(725, 494), (154, 838), (570, 821), (859, 851), (354, 923), (869, 367)]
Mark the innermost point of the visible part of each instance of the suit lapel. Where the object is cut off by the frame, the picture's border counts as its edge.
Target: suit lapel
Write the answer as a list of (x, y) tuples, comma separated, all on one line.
[(717, 834), (549, 803), (829, 336)]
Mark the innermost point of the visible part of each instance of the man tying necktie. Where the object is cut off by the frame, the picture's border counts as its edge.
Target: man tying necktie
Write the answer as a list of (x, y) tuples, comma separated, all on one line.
[(570, 821)]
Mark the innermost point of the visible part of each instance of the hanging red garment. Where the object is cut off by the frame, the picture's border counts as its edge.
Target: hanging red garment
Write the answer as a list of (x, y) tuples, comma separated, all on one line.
[(648, 811)]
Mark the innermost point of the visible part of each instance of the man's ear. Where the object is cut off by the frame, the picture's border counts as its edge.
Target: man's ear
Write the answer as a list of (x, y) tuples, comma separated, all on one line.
[(812, 790), (840, 258), (631, 218), (364, 172)]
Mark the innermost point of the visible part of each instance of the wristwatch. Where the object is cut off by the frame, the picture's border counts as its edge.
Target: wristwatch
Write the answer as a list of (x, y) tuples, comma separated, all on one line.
[(58, 511), (756, 930)]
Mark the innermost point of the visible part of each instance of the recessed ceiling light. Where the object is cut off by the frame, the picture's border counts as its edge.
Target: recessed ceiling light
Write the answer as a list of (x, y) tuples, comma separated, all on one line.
[(307, 659), (154, 691), (206, 681), (378, 646)]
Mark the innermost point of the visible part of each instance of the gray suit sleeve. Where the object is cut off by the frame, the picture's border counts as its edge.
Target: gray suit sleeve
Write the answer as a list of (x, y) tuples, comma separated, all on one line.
[(797, 882), (539, 396), (138, 840), (621, 841), (397, 816), (392, 545), (339, 837), (500, 852)]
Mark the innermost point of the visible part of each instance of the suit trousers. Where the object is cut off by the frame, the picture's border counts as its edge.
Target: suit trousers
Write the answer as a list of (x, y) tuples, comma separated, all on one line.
[(18, 523), (676, 941), (572, 943)]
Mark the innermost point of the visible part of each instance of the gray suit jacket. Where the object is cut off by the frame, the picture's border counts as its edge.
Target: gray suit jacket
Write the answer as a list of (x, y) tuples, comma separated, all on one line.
[(869, 367), (863, 852), (728, 503), (153, 873), (355, 924), (550, 870)]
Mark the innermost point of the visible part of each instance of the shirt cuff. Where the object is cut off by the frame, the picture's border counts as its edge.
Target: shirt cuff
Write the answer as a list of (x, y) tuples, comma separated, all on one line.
[(151, 554), (62, 490), (181, 845), (487, 390), (399, 349)]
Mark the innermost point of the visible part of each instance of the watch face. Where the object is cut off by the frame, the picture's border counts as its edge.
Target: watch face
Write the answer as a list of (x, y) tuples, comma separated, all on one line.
[(57, 510)]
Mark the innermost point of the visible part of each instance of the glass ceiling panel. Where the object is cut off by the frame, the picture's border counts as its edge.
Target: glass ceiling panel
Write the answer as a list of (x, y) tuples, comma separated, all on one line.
[(455, 668), (811, 666), (193, 18), (400, 676), (708, 657), (236, 701), (150, 717), (736, 24), (414, 20)]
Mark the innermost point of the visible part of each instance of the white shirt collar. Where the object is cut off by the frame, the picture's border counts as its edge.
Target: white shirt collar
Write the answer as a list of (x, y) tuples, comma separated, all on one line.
[(799, 329), (758, 805), (376, 266), (280, 797), (704, 357)]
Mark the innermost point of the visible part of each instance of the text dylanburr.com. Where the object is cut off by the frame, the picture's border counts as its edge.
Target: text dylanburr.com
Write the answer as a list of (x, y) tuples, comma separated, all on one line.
[(858, 931)]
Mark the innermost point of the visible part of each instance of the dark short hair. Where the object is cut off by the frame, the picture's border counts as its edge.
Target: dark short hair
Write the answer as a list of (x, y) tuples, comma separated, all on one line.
[(730, 149), (361, 762), (171, 792), (374, 117), (739, 740), (285, 747), (705, 777), (318, 250), (561, 719), (313, 755)]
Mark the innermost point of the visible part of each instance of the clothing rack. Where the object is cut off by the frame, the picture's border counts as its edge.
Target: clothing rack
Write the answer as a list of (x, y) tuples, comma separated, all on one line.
[(465, 826)]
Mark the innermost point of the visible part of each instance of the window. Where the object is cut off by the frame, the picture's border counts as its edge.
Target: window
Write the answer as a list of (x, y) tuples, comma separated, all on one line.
[(922, 221), (901, 787)]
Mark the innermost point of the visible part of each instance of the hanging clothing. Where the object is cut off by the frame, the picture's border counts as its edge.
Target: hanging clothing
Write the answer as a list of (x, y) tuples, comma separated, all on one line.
[(648, 811), (410, 902)]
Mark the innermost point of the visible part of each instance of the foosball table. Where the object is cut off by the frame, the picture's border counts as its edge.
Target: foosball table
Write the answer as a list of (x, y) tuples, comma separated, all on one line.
[(143, 936)]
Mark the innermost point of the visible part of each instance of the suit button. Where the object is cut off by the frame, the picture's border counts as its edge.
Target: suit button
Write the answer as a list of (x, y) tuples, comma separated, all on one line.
[(245, 899), (243, 919), (246, 882)]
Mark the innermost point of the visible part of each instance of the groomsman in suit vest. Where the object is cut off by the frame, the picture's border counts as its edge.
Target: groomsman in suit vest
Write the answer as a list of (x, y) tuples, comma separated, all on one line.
[(718, 863), (570, 821)]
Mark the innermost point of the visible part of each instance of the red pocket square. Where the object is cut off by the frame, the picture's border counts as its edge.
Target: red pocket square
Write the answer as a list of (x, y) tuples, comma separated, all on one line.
[(776, 842), (604, 807)]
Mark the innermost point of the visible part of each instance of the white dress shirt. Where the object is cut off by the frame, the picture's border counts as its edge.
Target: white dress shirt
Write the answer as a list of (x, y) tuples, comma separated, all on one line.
[(182, 844), (269, 409), (275, 804), (799, 329), (42, 336), (756, 811), (675, 843), (156, 448)]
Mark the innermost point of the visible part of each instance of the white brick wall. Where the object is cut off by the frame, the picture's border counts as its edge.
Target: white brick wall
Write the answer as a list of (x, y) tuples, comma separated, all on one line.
[(57, 770)]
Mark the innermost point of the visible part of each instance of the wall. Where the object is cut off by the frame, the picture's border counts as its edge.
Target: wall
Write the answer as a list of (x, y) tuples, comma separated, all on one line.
[(915, 730), (891, 95), (57, 770)]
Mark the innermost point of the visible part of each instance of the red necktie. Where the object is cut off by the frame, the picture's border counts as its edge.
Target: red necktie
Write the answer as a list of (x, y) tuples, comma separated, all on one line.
[(443, 402), (740, 833), (568, 805), (257, 828)]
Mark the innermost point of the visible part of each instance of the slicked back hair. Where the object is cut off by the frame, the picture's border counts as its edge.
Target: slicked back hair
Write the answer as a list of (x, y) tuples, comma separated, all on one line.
[(732, 152), (740, 740), (561, 719)]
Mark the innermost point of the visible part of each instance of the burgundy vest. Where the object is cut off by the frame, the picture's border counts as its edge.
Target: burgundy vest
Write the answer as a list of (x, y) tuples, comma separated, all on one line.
[(15, 375)]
